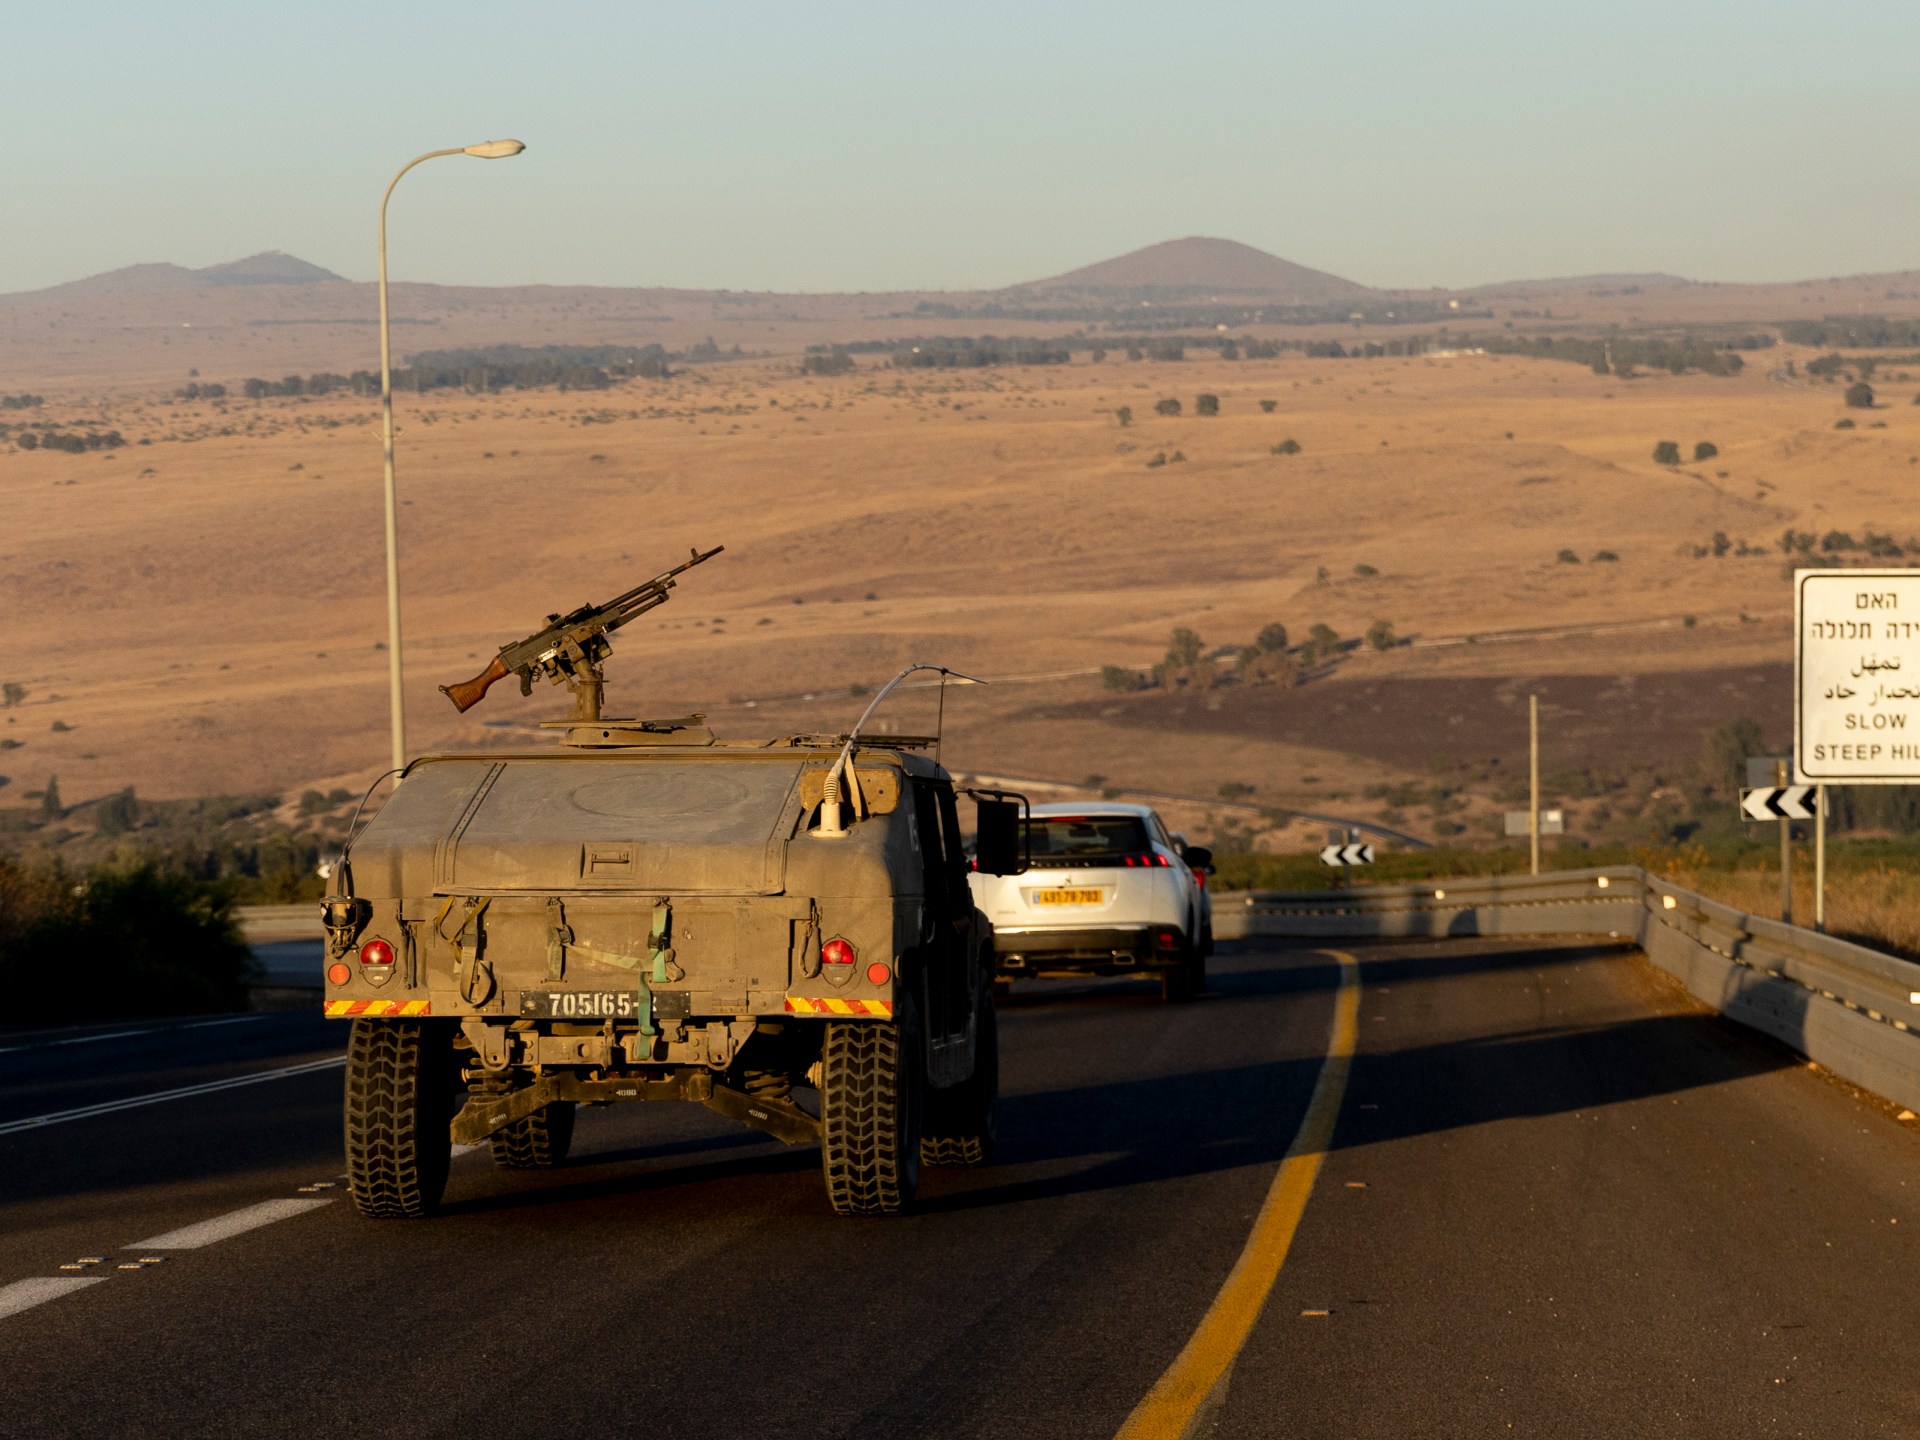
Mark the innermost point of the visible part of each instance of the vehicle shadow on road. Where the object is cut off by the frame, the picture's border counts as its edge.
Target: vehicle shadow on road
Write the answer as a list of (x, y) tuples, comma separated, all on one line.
[(1206, 1119)]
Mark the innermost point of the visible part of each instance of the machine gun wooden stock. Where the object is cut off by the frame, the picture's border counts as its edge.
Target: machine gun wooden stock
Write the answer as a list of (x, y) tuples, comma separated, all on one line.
[(571, 647)]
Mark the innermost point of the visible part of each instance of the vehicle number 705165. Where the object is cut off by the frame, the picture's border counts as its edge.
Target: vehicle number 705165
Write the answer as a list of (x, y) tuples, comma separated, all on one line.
[(580, 1004)]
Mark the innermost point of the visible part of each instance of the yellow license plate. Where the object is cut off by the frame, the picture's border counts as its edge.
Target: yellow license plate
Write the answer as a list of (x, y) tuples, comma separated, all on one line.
[(1067, 897)]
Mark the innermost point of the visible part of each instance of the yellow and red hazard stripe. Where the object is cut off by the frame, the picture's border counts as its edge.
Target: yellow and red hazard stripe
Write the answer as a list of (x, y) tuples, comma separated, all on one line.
[(834, 1005), (378, 1007)]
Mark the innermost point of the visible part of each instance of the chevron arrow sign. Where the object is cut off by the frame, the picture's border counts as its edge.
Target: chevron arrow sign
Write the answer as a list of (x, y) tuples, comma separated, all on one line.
[(1778, 802), (1347, 855)]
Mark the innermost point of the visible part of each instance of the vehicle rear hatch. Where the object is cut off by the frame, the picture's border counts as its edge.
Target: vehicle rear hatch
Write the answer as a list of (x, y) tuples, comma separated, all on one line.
[(1088, 870)]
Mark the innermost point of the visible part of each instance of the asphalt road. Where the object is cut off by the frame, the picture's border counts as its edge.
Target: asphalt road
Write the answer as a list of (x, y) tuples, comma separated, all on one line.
[(1559, 1200)]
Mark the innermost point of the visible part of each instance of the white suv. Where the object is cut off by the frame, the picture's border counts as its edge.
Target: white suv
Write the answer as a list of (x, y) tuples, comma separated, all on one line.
[(1110, 892)]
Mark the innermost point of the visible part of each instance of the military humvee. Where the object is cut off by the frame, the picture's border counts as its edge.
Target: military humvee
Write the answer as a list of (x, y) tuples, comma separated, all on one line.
[(780, 930)]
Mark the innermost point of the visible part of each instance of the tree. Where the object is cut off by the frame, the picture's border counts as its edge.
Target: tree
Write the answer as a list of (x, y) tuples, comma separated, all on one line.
[(1705, 450), (1380, 635), (1272, 639), (256, 389), (117, 813), (1183, 648), (1166, 407), (11, 694), (1322, 641), (1206, 405), (1124, 415), (1859, 396), (1723, 759), (1288, 446), (27, 440), (1118, 677), (1267, 407), (50, 806), (1667, 452), (1567, 557)]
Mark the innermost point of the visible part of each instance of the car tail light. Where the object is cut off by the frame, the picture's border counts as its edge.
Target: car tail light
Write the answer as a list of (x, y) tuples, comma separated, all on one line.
[(1166, 940), (837, 952), (376, 952), (878, 974)]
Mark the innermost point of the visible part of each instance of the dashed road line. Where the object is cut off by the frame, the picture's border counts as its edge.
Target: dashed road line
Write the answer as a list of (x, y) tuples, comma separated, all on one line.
[(25, 1294), (127, 1034), (1196, 1382), (225, 1227), (134, 1102)]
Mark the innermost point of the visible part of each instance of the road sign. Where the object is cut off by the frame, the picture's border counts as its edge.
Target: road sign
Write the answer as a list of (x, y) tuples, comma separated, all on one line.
[(1856, 670), (1778, 802), (1552, 822), (1347, 855)]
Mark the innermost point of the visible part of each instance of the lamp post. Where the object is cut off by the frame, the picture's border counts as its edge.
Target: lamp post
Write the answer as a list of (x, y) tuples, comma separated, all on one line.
[(489, 150)]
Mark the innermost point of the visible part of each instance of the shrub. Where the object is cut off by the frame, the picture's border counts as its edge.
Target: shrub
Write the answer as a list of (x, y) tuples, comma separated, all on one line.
[(1124, 415), (1365, 572), (1267, 407), (1380, 635), (1157, 461), (117, 813), (1843, 425), (1288, 446), (1234, 790), (1567, 557), (1322, 641), (1206, 405), (1604, 557), (1859, 396), (1272, 639), (132, 940), (1705, 450), (11, 694), (1117, 677), (1667, 452), (1166, 407)]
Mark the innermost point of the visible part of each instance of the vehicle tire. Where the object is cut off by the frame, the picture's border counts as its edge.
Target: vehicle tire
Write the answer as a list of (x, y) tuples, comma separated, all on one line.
[(539, 1142), (1176, 982), (398, 1107), (872, 1091), (963, 1120)]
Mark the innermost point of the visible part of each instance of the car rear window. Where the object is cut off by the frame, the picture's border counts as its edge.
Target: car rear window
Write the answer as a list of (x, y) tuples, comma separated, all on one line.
[(1088, 837)]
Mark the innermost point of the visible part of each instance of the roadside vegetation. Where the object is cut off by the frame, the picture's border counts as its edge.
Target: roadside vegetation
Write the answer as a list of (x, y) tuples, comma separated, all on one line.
[(126, 939)]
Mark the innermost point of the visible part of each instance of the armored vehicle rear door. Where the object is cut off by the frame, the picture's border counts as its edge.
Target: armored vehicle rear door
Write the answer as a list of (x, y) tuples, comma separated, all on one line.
[(947, 915)]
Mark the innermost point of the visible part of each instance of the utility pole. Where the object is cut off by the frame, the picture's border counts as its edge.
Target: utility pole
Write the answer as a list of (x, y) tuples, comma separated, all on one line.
[(1533, 780), (1786, 851), (1820, 859)]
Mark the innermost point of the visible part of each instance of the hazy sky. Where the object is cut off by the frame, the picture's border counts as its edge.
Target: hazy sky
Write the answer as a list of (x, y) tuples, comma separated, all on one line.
[(887, 146)]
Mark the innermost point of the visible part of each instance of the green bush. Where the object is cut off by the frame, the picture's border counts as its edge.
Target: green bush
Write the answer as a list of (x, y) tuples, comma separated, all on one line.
[(1705, 450), (1166, 407), (136, 939), (1859, 396), (1667, 452), (1206, 405), (1288, 446)]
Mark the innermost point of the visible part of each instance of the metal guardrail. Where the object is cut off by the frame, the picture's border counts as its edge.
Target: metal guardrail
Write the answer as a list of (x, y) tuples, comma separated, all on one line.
[(1854, 1010), (261, 924)]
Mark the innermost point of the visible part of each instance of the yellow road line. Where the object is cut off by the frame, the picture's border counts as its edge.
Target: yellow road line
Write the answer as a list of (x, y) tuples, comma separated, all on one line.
[(1197, 1379)]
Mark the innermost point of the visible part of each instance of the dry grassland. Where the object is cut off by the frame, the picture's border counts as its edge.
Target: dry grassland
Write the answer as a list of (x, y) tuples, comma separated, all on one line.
[(204, 610)]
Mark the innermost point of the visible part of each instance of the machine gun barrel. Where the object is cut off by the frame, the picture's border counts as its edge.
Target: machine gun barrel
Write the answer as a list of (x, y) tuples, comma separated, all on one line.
[(568, 641)]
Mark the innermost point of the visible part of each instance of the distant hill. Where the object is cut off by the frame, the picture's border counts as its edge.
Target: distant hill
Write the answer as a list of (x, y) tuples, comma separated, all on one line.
[(1199, 265), (270, 267)]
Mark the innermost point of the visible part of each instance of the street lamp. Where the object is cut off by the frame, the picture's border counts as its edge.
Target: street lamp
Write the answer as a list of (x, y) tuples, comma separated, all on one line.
[(487, 150)]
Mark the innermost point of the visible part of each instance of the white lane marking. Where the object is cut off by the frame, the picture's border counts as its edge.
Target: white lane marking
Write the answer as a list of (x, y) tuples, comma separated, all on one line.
[(125, 1034), (90, 1039), (25, 1294), (133, 1102), (225, 1227)]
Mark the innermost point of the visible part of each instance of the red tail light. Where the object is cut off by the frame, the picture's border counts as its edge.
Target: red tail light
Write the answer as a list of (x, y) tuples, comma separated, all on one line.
[(376, 952), (837, 952)]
